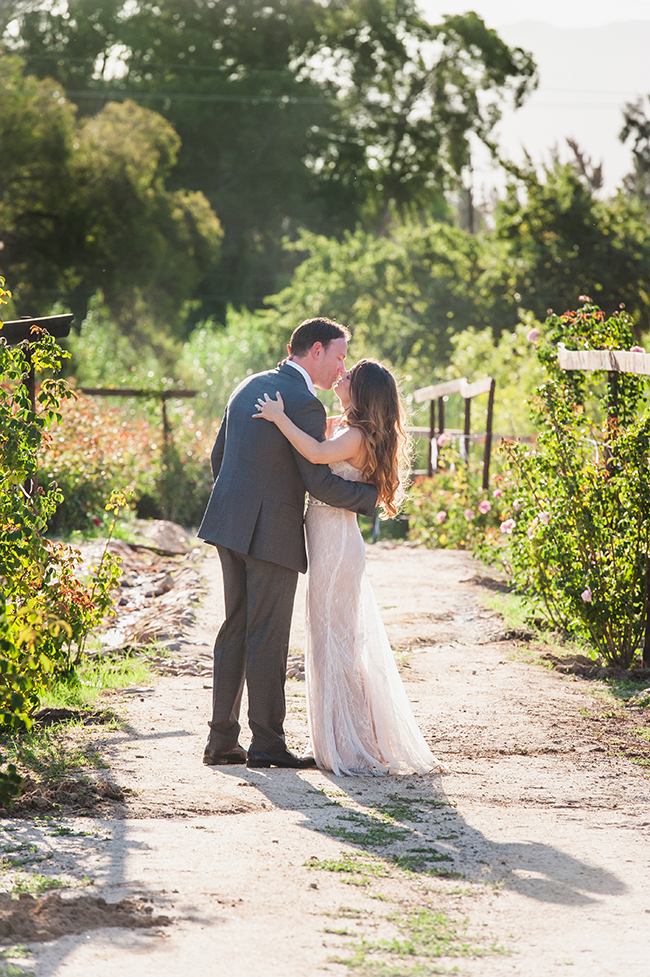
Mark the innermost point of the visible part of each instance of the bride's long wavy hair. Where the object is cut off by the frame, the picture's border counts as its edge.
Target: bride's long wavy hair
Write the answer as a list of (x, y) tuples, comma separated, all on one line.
[(377, 411)]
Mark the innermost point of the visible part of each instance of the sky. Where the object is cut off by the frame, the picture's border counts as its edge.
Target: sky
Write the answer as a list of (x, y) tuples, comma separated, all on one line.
[(560, 13), (592, 57)]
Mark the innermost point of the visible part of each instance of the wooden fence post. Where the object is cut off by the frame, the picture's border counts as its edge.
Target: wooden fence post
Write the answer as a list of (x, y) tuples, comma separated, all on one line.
[(488, 437), (466, 428), (432, 434)]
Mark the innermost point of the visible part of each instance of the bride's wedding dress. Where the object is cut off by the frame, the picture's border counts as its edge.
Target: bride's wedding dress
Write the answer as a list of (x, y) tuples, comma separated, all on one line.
[(360, 719)]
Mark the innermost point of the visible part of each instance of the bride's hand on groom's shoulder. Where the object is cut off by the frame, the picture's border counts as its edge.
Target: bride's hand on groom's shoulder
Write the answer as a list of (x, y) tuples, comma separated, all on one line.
[(268, 408)]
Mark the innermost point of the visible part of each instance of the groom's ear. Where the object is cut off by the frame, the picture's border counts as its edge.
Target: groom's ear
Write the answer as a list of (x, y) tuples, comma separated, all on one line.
[(288, 349)]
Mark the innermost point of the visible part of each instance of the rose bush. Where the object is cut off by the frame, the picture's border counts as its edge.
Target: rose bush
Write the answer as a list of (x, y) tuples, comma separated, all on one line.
[(577, 541), (46, 610)]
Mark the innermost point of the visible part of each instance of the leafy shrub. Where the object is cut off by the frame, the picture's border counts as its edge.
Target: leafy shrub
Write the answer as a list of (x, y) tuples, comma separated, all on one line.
[(579, 545), (46, 612), (98, 449), (451, 510)]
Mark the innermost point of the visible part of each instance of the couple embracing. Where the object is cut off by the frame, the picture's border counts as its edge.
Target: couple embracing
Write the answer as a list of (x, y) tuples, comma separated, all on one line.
[(275, 442)]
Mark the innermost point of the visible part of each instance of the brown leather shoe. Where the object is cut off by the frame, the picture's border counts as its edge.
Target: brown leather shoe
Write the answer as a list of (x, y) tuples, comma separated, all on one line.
[(212, 759), (282, 759)]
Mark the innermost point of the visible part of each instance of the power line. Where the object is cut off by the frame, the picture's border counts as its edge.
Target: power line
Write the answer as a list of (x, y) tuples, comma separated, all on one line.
[(183, 97)]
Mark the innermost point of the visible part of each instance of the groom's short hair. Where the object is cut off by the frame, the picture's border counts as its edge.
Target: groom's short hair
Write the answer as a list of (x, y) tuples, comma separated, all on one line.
[(316, 331)]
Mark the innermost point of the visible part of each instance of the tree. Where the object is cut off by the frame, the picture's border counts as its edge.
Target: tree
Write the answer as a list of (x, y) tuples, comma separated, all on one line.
[(637, 128), (415, 94), (556, 241), (85, 205), (291, 113), (403, 296)]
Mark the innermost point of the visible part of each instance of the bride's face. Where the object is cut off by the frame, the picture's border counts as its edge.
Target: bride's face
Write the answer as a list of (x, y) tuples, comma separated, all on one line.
[(342, 389)]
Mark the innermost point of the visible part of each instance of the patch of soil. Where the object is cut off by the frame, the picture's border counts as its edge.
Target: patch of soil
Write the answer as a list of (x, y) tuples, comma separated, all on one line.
[(65, 796), (30, 919), (587, 668), (85, 717)]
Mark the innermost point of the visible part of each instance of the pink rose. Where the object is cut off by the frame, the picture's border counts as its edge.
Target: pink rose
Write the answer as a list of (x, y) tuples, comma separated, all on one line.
[(518, 504), (508, 526), (497, 493), (469, 514), (586, 595), (484, 506), (637, 349), (533, 336), (544, 517), (440, 517), (584, 298), (443, 439)]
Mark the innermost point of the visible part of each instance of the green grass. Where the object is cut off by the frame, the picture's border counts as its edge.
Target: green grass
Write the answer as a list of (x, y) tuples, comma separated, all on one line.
[(519, 615), (368, 832), (95, 677), (35, 884), (514, 610), (426, 936), (52, 753), (626, 688), (358, 869)]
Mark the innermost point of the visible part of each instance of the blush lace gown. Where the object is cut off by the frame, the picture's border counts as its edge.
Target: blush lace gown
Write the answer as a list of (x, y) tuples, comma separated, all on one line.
[(360, 719)]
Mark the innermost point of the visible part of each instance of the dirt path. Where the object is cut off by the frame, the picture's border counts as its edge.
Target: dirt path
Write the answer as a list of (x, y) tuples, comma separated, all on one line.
[(530, 858)]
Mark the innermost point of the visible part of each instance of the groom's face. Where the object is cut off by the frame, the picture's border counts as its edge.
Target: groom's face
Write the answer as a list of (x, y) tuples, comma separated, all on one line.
[(329, 363)]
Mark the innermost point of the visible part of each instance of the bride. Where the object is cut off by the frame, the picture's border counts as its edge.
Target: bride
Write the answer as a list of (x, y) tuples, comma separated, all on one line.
[(360, 720)]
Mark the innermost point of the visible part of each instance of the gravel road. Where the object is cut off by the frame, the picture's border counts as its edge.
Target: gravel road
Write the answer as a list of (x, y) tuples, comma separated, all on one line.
[(530, 858)]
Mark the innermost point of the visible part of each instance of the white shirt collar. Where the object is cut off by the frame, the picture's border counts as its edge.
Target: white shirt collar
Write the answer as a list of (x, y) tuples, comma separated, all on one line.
[(302, 370)]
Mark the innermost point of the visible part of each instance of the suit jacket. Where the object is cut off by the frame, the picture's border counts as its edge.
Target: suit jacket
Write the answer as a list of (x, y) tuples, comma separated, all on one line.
[(258, 499)]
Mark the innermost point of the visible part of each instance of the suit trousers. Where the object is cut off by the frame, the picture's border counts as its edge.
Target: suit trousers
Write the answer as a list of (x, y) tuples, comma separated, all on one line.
[(252, 646)]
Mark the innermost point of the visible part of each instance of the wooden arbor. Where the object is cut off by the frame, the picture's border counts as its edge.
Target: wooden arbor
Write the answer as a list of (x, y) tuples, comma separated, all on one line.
[(436, 395)]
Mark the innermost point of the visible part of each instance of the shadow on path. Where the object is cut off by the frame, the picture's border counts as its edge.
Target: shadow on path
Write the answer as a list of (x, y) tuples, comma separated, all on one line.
[(411, 822)]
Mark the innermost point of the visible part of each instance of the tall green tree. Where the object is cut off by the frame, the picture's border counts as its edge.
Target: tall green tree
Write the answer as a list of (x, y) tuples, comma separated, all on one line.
[(403, 295), (85, 205), (291, 113), (555, 240), (415, 94)]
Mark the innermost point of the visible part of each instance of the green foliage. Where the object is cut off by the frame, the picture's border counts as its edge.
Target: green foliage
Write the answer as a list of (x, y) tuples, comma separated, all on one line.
[(416, 94), (93, 678), (450, 510), (104, 444), (637, 127), (588, 329), (291, 113), (557, 240), (579, 544), (85, 205), (99, 448), (511, 358), (402, 296), (215, 358), (45, 610)]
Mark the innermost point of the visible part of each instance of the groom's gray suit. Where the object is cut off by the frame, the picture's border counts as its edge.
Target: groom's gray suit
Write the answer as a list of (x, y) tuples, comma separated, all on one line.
[(255, 519)]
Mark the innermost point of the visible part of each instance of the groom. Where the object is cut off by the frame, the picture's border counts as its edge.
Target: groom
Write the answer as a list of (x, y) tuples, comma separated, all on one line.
[(255, 519)]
